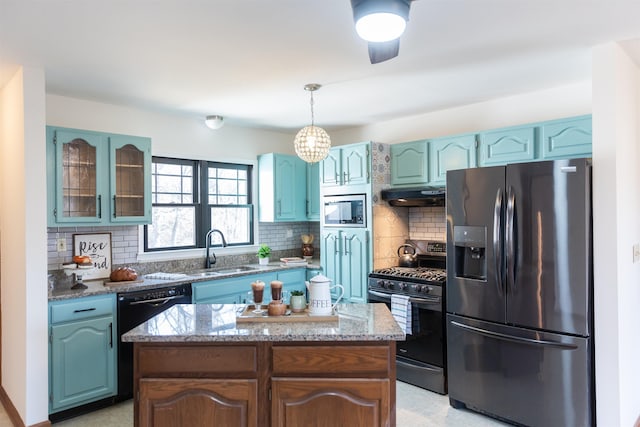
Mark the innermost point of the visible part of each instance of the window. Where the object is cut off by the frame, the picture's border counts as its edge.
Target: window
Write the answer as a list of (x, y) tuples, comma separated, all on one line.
[(189, 197)]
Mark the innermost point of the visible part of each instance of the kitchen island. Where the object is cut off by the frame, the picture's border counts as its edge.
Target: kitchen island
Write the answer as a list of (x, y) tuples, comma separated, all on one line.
[(194, 365)]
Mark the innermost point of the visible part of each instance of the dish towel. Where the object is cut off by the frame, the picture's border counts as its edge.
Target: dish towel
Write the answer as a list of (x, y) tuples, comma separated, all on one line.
[(401, 311)]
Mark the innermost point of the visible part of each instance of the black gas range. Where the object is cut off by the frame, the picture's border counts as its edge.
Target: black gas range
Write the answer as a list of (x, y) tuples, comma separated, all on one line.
[(421, 358)]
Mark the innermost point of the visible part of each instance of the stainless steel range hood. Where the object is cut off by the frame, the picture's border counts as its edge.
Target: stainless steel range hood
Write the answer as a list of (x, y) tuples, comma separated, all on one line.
[(412, 197)]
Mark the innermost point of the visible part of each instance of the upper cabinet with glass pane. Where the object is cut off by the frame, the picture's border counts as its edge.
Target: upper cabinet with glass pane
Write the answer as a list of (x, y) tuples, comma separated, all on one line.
[(97, 179), (130, 179)]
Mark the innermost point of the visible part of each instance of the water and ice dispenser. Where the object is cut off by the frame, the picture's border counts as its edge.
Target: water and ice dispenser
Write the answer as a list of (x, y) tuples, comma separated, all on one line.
[(470, 252)]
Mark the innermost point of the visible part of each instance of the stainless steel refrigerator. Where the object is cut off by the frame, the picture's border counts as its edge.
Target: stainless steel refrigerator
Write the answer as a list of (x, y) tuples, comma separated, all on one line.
[(519, 292)]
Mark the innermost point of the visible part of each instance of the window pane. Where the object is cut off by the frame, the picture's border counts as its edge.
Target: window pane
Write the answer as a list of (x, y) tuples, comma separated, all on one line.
[(168, 169), (227, 187), (227, 173), (173, 199), (227, 200), (172, 227), (242, 187), (234, 222)]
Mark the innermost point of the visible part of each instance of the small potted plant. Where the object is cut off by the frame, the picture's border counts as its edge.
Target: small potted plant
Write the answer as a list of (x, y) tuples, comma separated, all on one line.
[(297, 301), (263, 254)]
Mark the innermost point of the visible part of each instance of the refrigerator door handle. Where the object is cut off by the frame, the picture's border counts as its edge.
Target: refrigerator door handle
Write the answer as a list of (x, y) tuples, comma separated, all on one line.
[(509, 240), (497, 240), (515, 339)]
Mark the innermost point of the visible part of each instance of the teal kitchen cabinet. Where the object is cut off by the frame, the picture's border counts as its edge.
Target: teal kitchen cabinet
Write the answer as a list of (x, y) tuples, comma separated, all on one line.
[(82, 351), (282, 188), (97, 178), (130, 179), (456, 152), (567, 138), (512, 145), (228, 291), (292, 280), (346, 165), (77, 171), (330, 168), (313, 191), (346, 262), (409, 163)]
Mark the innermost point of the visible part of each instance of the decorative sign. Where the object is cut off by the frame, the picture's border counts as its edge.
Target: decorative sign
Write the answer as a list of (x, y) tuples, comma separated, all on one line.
[(98, 247)]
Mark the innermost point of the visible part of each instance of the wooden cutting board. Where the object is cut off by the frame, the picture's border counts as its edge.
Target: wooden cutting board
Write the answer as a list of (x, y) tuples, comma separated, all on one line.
[(247, 316), (123, 283)]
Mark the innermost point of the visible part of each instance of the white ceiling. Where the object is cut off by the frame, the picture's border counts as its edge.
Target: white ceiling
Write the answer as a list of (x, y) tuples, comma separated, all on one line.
[(248, 60)]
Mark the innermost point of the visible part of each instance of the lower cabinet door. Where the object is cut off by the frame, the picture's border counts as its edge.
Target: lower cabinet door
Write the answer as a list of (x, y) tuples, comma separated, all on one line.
[(192, 402), (350, 402), (82, 362)]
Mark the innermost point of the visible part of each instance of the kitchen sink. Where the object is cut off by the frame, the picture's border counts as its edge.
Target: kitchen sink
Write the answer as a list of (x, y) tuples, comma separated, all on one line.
[(222, 271), (205, 274)]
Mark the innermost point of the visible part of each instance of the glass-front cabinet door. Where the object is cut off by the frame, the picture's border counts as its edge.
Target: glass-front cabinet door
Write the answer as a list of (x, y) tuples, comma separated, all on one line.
[(96, 178), (80, 177), (130, 166)]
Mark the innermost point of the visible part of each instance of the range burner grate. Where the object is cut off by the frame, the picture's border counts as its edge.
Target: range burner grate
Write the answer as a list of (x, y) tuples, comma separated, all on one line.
[(421, 273)]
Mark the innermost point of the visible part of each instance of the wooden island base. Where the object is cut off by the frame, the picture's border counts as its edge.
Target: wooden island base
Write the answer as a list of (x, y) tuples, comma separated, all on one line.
[(265, 384)]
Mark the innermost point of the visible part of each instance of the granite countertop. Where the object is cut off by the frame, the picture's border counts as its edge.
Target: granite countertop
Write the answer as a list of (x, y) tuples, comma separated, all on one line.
[(217, 323), (97, 287)]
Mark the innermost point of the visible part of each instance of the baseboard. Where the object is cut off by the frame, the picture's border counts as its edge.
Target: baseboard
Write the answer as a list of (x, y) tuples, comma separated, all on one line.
[(13, 414)]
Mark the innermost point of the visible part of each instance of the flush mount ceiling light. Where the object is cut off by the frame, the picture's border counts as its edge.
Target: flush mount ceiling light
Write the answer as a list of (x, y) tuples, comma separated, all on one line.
[(312, 143), (214, 122), (381, 23)]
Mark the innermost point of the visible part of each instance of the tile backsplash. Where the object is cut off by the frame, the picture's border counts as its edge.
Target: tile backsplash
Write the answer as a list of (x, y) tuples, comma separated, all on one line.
[(428, 223), (393, 226), (124, 243)]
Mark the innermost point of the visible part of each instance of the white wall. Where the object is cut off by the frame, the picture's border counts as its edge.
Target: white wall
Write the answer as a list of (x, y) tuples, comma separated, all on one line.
[(555, 103), (172, 135), (23, 232), (616, 175)]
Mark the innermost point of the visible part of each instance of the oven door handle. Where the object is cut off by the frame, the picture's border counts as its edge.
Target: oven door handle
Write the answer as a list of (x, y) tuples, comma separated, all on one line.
[(413, 300)]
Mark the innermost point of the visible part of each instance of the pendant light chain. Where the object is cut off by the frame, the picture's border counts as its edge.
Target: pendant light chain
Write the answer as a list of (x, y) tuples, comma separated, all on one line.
[(311, 108), (312, 143)]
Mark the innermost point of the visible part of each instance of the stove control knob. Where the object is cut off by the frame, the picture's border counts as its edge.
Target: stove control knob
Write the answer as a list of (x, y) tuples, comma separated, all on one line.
[(402, 286), (391, 285), (381, 283)]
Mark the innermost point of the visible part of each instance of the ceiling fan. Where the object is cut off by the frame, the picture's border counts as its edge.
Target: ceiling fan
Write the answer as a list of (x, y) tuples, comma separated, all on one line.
[(381, 23)]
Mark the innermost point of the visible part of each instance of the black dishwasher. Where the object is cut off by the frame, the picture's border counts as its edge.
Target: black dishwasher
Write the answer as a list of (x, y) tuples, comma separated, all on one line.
[(135, 308)]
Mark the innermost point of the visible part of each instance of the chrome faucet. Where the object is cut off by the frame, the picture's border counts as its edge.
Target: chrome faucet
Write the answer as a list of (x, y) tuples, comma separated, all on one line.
[(207, 260)]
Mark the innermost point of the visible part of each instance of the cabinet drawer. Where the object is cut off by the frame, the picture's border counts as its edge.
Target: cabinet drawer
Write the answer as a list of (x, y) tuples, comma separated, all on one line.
[(328, 360), (197, 360), (82, 308)]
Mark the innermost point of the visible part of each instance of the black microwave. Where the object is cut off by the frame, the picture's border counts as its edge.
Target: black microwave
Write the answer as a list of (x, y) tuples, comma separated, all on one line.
[(344, 211)]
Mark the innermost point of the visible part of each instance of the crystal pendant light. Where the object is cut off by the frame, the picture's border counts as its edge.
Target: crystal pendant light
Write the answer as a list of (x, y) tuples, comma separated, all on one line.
[(312, 143)]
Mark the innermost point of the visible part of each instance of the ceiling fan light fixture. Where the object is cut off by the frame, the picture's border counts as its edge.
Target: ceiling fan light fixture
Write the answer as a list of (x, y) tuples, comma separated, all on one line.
[(214, 122), (312, 143), (380, 20), (380, 27)]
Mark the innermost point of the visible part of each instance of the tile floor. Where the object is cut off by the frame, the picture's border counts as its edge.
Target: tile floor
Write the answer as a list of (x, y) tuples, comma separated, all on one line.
[(415, 408)]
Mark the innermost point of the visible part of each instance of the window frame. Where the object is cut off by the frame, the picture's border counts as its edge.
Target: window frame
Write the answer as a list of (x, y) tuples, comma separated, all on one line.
[(202, 220)]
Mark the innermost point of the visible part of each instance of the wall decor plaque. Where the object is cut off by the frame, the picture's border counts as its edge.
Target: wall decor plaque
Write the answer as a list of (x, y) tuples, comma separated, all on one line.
[(98, 247)]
